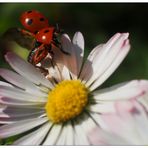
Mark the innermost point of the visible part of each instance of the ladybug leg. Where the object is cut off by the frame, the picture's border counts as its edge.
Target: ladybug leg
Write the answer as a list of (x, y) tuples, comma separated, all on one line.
[(49, 48), (25, 32), (37, 44), (30, 56), (42, 70)]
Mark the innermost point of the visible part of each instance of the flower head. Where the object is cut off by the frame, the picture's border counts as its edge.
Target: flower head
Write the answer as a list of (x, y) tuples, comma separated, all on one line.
[(63, 107)]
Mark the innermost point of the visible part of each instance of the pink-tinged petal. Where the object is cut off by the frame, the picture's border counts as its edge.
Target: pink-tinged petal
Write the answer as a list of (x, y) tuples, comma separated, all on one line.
[(53, 135), (104, 76), (144, 100), (14, 102), (18, 111), (10, 120), (19, 94), (106, 57), (34, 138), (100, 137), (13, 114), (27, 70), (96, 56), (19, 81), (119, 49), (20, 127), (128, 90), (129, 123), (5, 84)]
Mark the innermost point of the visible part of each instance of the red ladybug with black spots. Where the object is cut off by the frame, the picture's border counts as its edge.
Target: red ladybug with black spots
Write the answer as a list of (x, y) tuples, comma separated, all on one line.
[(33, 21), (36, 25)]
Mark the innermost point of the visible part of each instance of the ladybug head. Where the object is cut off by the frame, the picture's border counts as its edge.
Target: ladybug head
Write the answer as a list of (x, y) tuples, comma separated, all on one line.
[(33, 21)]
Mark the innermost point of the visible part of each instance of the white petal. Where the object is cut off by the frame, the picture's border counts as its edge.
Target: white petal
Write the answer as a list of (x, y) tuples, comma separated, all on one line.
[(67, 64), (61, 62), (102, 107), (97, 118), (69, 60), (20, 127), (121, 91), (62, 137), (73, 61), (119, 48), (56, 72), (19, 94), (53, 135), (78, 40), (80, 135), (78, 47), (69, 134), (112, 67), (27, 70), (88, 66), (34, 138), (19, 81), (66, 43), (87, 124), (65, 73)]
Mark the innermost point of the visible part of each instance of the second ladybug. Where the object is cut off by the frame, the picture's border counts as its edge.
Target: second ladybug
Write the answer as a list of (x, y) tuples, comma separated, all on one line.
[(46, 38)]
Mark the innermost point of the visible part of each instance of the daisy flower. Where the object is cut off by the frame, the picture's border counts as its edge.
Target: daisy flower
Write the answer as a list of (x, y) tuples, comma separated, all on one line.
[(62, 107), (128, 126)]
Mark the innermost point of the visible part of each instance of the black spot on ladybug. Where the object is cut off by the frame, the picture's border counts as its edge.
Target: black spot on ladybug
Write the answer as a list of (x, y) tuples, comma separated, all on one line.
[(29, 21), (42, 19), (29, 11), (46, 31)]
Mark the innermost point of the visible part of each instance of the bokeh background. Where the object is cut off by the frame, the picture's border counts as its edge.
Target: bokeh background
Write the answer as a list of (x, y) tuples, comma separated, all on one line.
[(98, 22)]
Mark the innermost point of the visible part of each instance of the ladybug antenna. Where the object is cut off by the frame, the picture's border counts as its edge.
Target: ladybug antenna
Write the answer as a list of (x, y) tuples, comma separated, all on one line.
[(57, 28)]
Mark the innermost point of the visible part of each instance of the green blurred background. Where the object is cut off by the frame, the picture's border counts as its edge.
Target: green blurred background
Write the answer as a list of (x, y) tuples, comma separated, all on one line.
[(98, 22)]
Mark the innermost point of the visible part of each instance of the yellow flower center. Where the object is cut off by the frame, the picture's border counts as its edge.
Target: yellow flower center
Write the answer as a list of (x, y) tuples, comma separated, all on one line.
[(66, 101)]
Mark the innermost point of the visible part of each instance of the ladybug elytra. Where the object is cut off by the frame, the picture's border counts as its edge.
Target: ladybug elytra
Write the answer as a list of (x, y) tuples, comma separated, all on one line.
[(33, 21)]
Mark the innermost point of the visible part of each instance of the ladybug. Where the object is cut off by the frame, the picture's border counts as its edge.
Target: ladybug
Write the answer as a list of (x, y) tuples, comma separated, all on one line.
[(33, 21), (46, 38)]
